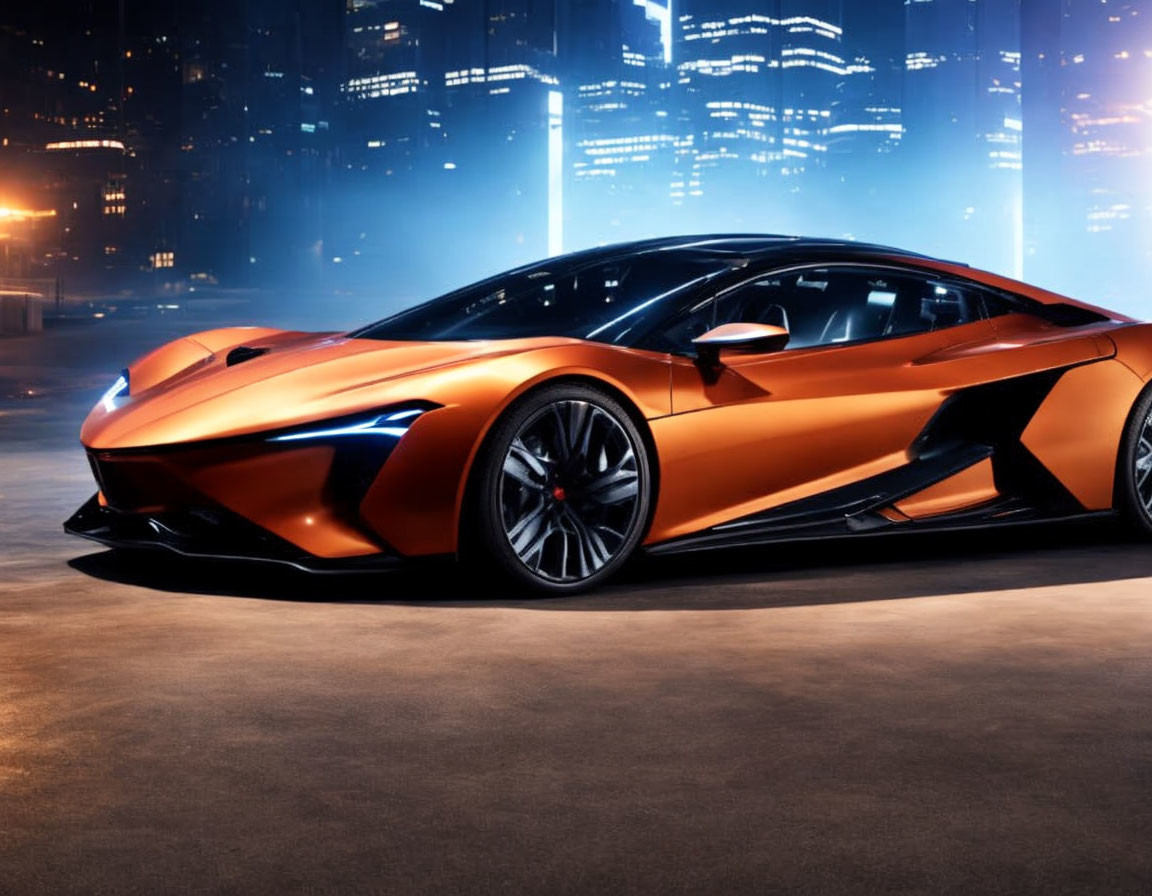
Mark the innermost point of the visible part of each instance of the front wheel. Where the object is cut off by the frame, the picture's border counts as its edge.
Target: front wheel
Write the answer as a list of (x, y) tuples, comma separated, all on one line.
[(564, 490), (1134, 475)]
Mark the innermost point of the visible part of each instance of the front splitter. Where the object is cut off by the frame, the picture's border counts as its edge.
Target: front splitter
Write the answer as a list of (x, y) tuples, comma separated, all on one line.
[(211, 534)]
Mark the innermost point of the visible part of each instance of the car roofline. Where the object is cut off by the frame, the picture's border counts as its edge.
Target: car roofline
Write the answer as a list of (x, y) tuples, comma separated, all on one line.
[(756, 245)]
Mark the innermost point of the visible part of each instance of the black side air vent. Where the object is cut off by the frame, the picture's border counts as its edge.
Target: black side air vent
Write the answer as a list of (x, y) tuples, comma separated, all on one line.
[(243, 353), (1065, 315)]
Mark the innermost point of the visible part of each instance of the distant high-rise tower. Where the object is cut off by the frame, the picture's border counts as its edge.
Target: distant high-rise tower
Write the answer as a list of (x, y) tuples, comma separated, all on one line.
[(865, 167), (1088, 148), (614, 64), (389, 136), (392, 87), (756, 82), (504, 120), (253, 138), (962, 124)]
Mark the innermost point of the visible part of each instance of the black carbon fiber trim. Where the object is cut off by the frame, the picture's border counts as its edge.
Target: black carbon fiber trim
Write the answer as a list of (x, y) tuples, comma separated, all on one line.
[(210, 533)]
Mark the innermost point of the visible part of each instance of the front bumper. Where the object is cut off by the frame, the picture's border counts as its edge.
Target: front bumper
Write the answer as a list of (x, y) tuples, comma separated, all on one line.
[(208, 532)]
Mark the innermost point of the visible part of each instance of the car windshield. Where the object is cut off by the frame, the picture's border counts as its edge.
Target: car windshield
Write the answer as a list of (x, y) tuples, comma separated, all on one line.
[(614, 301)]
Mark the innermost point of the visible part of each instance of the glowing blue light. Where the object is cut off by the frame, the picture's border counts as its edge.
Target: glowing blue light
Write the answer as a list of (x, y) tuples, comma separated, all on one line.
[(373, 426), (555, 172), (120, 387), (404, 415)]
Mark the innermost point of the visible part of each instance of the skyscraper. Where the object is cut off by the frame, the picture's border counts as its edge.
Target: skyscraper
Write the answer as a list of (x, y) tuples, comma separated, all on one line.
[(392, 88), (504, 120), (865, 171), (1088, 147), (962, 116), (390, 134), (615, 65), (251, 138), (755, 85)]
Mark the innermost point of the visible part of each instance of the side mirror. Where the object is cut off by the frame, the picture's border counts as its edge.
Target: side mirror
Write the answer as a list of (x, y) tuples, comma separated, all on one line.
[(750, 338)]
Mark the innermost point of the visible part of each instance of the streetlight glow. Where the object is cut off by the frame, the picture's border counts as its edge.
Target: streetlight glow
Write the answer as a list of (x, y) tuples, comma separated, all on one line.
[(23, 214)]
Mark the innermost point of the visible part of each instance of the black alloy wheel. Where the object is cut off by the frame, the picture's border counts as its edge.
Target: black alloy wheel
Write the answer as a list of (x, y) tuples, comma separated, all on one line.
[(565, 490)]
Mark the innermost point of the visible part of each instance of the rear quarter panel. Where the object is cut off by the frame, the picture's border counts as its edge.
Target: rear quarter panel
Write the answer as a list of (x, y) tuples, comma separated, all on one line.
[(1077, 432), (1134, 348)]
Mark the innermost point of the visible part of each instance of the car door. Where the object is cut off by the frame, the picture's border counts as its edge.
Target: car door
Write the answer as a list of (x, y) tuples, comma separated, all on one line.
[(875, 351)]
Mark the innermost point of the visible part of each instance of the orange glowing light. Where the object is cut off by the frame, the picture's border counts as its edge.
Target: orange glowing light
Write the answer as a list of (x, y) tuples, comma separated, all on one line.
[(24, 214)]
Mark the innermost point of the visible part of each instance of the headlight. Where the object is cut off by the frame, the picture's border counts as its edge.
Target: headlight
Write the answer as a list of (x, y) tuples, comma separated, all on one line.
[(118, 389), (390, 424)]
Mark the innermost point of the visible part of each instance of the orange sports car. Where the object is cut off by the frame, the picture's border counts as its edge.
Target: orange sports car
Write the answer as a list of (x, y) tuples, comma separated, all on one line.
[(670, 395)]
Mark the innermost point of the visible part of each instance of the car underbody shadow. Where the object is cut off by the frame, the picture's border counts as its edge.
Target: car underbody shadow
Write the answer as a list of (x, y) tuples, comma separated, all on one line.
[(822, 572)]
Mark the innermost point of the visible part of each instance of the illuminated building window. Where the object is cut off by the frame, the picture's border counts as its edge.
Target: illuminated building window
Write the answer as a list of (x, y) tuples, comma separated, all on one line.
[(114, 197), (83, 144)]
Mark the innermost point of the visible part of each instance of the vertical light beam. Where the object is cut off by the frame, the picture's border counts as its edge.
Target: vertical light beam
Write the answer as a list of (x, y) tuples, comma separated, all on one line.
[(555, 172)]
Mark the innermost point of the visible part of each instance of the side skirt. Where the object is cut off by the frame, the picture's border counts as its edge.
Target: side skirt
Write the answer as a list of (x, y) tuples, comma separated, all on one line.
[(970, 521)]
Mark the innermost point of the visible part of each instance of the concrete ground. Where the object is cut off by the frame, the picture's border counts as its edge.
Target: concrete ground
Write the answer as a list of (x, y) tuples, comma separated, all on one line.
[(969, 714)]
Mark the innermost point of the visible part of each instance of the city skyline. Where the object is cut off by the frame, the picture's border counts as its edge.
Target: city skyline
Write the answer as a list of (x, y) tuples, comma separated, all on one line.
[(335, 144)]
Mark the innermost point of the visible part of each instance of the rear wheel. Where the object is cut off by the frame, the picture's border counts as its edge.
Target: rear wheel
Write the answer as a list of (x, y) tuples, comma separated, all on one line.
[(1134, 476), (564, 490)]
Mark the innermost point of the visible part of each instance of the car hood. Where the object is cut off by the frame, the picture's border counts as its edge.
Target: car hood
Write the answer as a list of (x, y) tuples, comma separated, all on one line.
[(298, 379)]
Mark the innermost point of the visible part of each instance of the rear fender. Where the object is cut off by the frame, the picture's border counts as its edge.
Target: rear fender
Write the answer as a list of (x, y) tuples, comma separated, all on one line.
[(1134, 348)]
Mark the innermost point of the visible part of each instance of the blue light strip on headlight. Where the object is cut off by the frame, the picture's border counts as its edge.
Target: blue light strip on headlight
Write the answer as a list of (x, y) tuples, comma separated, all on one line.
[(120, 387), (382, 425)]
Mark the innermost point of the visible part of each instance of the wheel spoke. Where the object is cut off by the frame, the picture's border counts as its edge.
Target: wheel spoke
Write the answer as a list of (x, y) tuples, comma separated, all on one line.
[(565, 540), (524, 466), (585, 567), (533, 555), (620, 482), (594, 554), (580, 418), (527, 528), (618, 536), (563, 446), (622, 485)]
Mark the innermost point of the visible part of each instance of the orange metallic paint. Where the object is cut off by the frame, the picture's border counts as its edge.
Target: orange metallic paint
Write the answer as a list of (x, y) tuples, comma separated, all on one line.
[(777, 428), (283, 489), (893, 515), (758, 432), (1134, 348), (183, 356), (968, 488), (1079, 427)]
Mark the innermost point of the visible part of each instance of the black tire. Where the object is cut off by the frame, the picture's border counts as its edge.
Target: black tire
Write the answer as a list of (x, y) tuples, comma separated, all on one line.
[(1134, 470), (561, 492)]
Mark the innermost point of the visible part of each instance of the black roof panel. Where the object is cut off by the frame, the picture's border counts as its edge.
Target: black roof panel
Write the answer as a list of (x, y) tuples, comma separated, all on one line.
[(744, 244)]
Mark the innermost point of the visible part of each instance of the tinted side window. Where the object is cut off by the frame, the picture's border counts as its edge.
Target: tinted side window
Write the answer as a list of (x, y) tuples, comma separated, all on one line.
[(605, 301), (826, 306), (997, 305)]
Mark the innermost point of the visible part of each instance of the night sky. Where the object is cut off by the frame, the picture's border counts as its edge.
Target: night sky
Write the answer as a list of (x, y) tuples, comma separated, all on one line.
[(399, 148)]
